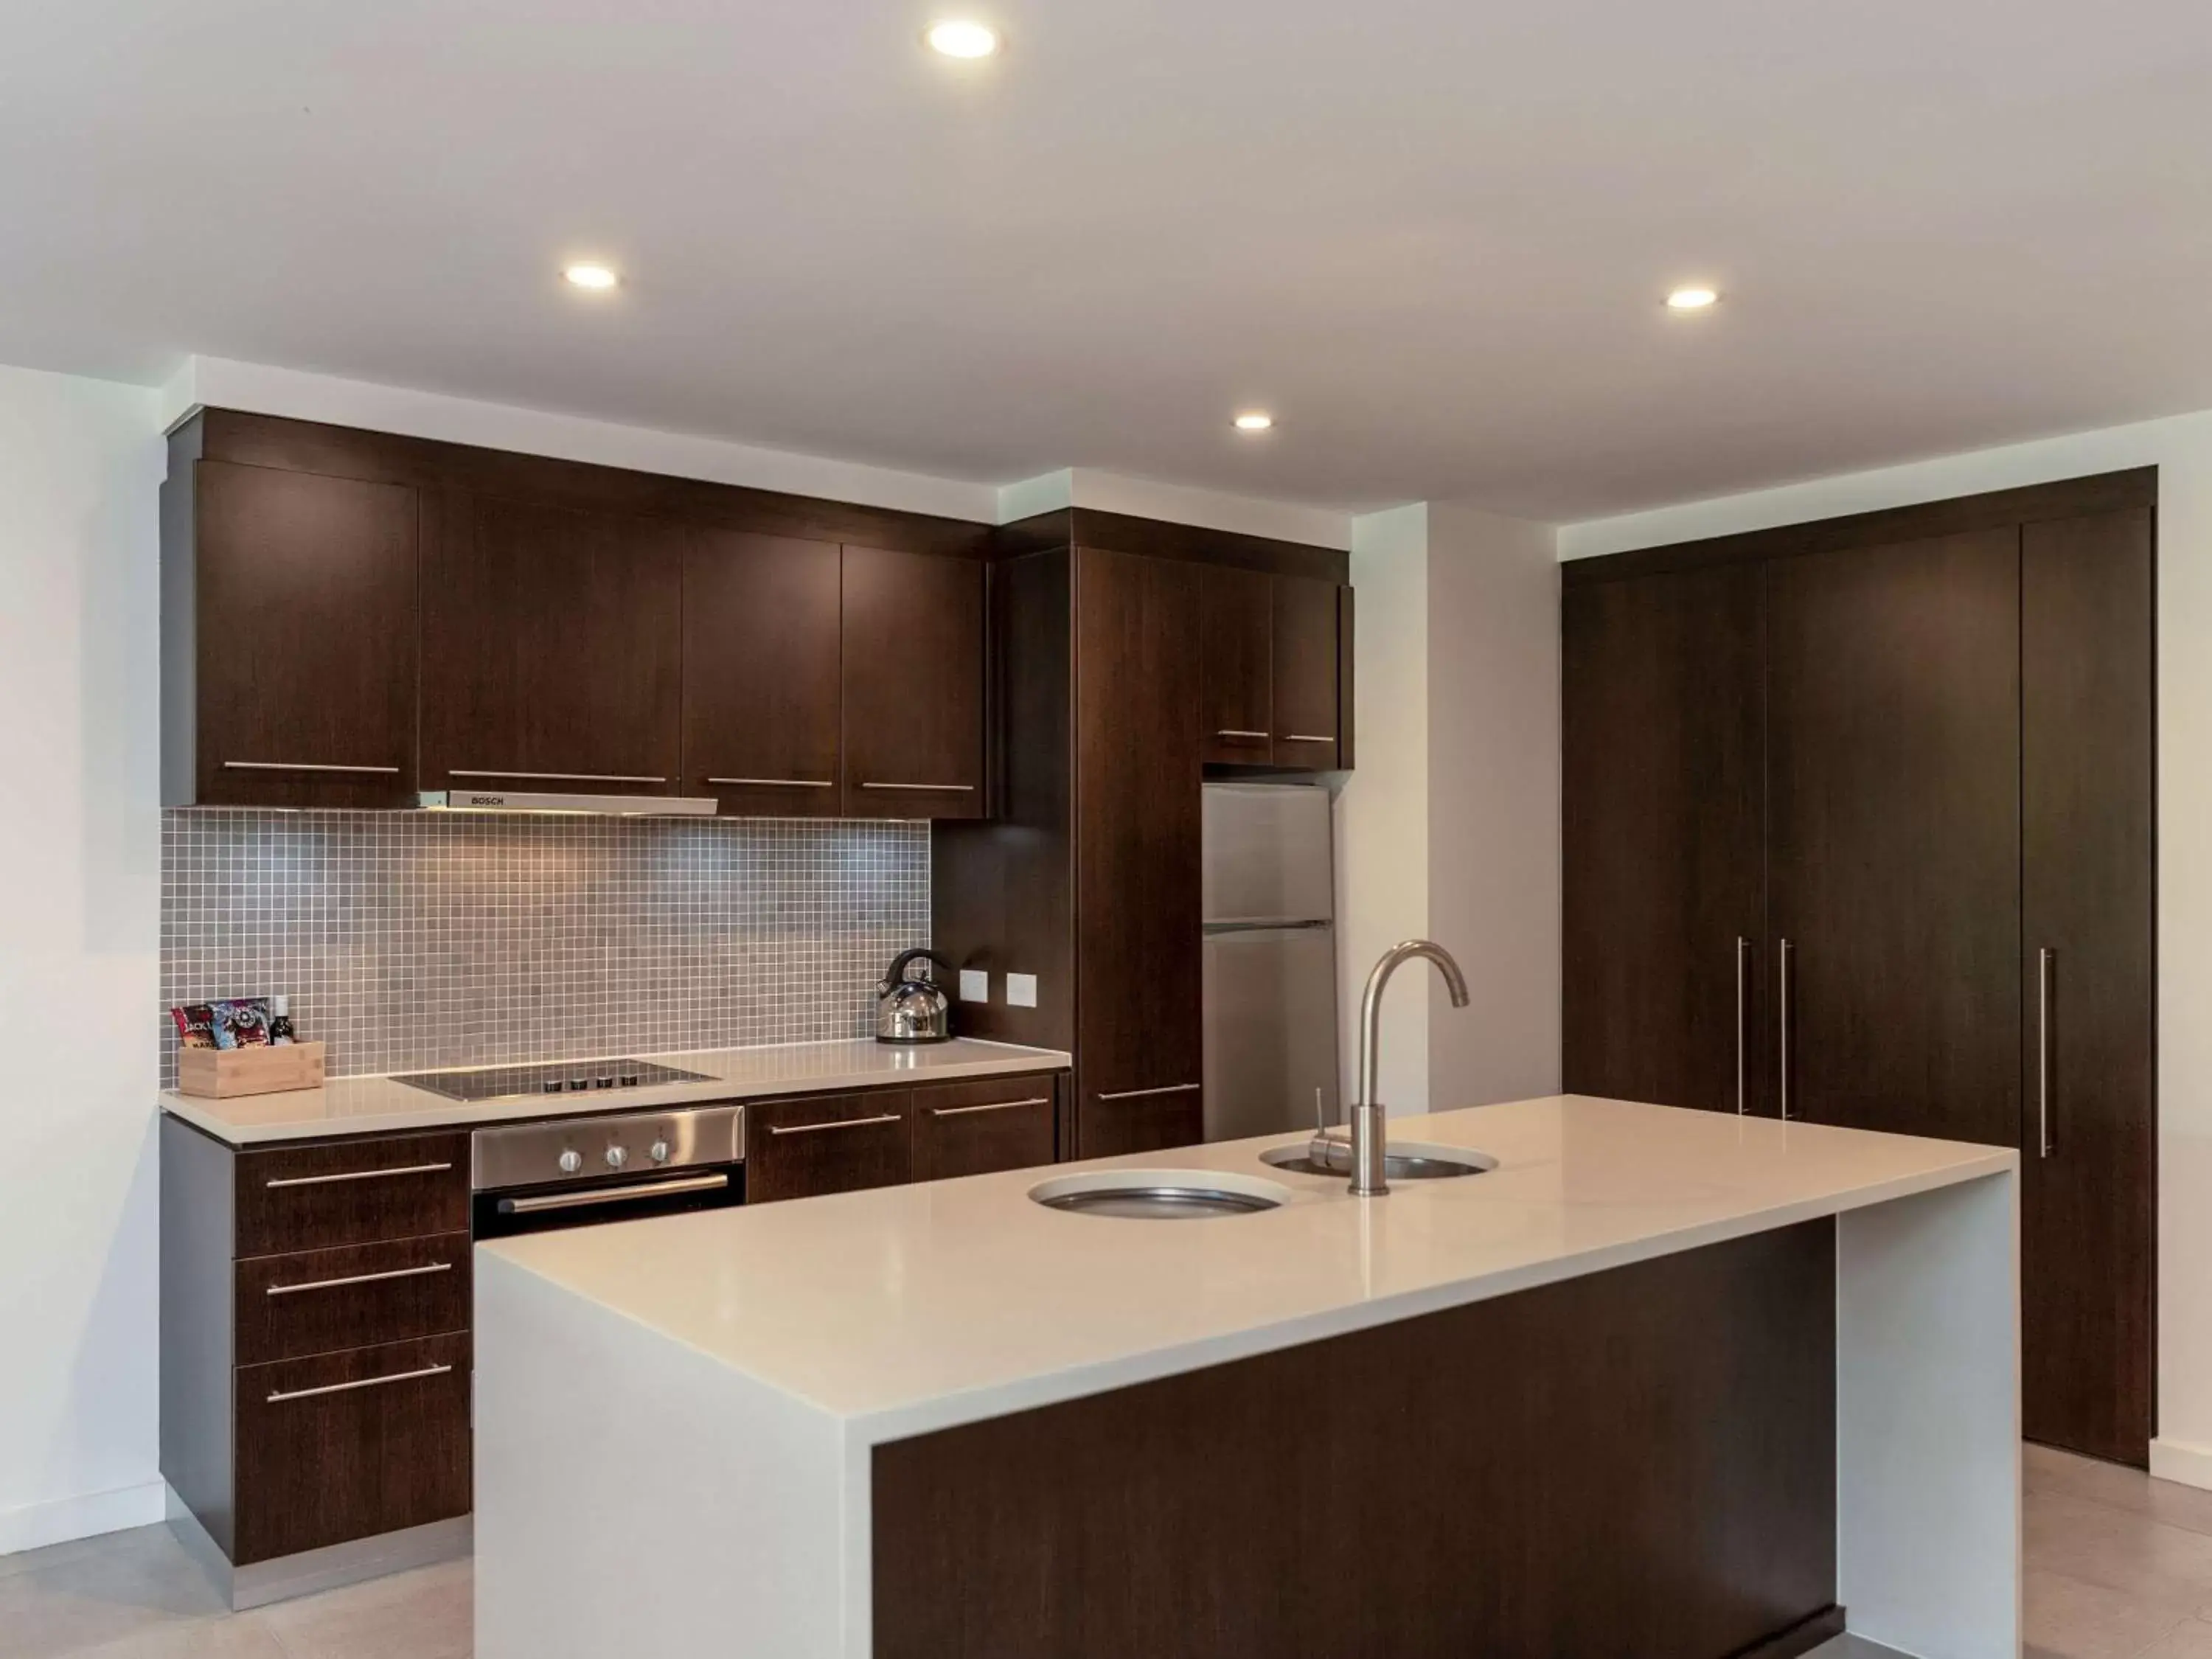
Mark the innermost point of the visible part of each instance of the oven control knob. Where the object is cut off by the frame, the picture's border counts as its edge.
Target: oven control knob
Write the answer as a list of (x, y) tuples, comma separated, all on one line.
[(660, 1152), (616, 1157), (571, 1161)]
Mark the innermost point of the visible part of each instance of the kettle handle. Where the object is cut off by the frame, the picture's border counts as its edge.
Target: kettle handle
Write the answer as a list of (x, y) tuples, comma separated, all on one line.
[(895, 973)]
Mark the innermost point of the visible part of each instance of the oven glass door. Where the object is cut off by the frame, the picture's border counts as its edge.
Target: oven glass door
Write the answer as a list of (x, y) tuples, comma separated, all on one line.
[(574, 1203)]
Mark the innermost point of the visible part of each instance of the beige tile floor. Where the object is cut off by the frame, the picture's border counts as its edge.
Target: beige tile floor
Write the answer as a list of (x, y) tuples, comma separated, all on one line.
[(2119, 1566)]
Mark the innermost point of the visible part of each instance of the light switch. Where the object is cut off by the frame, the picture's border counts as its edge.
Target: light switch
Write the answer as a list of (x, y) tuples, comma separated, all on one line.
[(1021, 990), (975, 985)]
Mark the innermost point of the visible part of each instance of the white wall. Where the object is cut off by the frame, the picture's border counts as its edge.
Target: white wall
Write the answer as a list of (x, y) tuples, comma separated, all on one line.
[(1449, 827), (2181, 448), (80, 463), (1494, 859), (1382, 810)]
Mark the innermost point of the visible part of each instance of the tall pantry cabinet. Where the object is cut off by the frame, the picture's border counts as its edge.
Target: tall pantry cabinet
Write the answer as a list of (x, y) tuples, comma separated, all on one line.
[(1859, 831)]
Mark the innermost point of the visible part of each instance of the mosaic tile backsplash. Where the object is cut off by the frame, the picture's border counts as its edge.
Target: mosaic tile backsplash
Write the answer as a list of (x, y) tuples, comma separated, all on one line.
[(407, 941)]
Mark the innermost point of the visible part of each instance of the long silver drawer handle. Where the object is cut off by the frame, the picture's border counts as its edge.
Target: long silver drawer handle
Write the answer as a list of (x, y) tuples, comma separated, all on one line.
[(358, 1175), (931, 788), (1305, 737), (1783, 956), (1231, 731), (360, 1279), (1139, 1094), (837, 1123), (700, 1183), (2043, 1052), (777, 783), (1741, 944), (304, 766), (363, 1382), (557, 777), (995, 1106)]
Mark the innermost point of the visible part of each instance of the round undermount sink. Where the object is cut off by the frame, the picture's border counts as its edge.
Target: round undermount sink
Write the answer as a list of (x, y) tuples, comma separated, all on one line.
[(1159, 1194), (1403, 1160)]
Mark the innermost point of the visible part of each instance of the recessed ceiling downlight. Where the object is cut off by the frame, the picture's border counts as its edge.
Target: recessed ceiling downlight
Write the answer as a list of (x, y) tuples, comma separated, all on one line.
[(1255, 420), (596, 277), (958, 38), (1692, 299)]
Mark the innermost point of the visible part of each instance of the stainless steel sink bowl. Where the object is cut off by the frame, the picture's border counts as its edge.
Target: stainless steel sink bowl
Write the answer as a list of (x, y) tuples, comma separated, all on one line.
[(1159, 1194), (1404, 1160)]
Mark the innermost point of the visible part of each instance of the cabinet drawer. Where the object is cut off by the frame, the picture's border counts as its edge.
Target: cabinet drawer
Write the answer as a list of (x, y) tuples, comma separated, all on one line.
[(976, 1128), (827, 1143), (348, 1445), (317, 1197), (320, 1301), (1118, 1121)]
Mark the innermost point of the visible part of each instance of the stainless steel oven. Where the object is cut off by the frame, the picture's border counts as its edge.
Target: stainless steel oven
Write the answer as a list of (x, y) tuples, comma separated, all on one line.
[(569, 1172)]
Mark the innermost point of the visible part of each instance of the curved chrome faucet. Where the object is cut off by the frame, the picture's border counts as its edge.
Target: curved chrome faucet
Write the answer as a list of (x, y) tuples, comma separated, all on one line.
[(1369, 1141)]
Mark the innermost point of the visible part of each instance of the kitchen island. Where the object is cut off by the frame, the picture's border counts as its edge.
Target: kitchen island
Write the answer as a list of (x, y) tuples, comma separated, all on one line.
[(1661, 1383)]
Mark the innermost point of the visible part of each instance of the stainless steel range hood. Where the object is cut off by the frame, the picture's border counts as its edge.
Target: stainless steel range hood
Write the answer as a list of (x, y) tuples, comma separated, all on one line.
[(515, 800)]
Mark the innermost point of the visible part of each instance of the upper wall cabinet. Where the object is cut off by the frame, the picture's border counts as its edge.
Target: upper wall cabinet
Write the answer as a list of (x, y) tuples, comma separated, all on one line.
[(914, 679), (288, 639), (762, 680), (552, 645), (1274, 647)]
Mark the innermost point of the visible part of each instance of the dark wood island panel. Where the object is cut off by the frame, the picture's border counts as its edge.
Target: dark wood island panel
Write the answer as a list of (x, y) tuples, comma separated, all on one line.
[(1638, 1462)]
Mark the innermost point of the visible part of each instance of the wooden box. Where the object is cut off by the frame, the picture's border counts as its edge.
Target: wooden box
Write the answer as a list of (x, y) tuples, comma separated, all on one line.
[(220, 1074)]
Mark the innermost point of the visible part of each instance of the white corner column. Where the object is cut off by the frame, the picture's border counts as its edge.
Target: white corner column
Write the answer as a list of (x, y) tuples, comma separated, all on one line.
[(1928, 1521)]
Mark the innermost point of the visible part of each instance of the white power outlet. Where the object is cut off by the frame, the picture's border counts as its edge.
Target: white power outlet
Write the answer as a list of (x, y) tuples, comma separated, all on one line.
[(975, 985), (1021, 990)]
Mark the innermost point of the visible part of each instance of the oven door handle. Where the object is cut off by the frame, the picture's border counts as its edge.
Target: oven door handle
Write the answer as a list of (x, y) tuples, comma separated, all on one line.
[(540, 1202)]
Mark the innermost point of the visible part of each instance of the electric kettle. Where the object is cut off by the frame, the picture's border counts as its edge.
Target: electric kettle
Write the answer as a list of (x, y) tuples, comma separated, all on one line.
[(912, 1009)]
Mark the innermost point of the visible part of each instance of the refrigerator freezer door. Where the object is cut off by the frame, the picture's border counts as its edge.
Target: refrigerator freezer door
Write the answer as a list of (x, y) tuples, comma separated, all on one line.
[(1268, 856), (1270, 1030)]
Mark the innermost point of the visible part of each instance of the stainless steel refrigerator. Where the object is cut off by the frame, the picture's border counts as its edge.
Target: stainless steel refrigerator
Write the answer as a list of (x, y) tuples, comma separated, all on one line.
[(1270, 904)]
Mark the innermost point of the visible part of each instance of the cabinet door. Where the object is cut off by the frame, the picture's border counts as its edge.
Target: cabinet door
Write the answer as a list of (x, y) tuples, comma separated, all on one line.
[(1238, 646), (1663, 698), (1305, 672), (976, 1128), (552, 644), (1894, 777), (349, 1445), (762, 683), (825, 1144), (305, 638), (2088, 1150), (913, 676), (1138, 697)]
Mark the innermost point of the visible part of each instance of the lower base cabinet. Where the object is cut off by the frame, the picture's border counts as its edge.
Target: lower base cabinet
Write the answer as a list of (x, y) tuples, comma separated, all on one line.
[(823, 1143)]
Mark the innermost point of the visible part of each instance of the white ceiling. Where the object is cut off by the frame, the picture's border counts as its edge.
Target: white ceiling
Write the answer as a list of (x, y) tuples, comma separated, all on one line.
[(1431, 235)]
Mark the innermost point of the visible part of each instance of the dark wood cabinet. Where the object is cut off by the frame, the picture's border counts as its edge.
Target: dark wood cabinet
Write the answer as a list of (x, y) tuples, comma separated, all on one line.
[(821, 1144), (2088, 1148), (1957, 771), (552, 641), (1894, 835), (914, 685), (1308, 706), (315, 1352), (1664, 920), (989, 1125), (1139, 690), (349, 1445), (289, 621), (1238, 624), (1273, 650), (763, 674)]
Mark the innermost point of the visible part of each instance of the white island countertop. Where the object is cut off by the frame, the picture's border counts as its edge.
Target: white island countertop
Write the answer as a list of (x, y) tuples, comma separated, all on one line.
[(383, 1105), (905, 1310)]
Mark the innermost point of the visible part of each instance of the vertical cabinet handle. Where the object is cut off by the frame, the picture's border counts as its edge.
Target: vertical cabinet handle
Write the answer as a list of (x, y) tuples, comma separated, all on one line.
[(2043, 957), (1741, 945), (1782, 956)]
